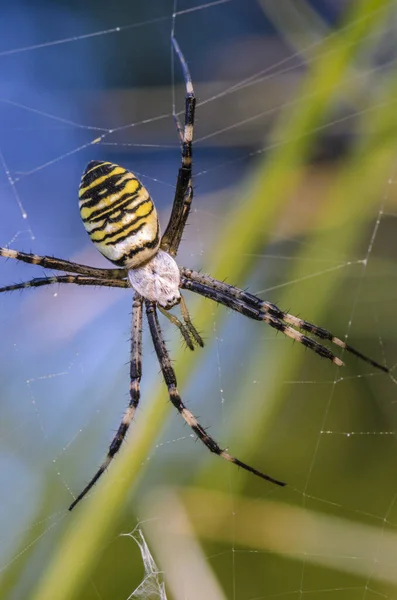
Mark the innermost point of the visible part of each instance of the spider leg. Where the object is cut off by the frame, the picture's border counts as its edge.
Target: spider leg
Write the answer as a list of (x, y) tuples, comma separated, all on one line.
[(258, 315), (184, 190), (58, 264), (179, 128), (170, 380), (135, 378), (249, 301), (323, 334), (77, 279)]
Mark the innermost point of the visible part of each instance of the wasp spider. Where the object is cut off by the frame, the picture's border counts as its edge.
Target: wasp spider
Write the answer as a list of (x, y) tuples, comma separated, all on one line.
[(120, 218)]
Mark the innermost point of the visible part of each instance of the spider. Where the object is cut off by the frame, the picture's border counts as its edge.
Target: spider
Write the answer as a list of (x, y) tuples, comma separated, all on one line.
[(120, 218)]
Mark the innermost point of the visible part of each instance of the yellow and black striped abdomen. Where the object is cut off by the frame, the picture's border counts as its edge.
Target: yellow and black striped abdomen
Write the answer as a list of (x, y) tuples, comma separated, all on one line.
[(118, 214)]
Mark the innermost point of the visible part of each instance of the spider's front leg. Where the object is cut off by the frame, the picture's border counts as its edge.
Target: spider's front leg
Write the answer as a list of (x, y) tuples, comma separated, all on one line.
[(184, 189), (261, 310), (59, 264), (75, 279), (170, 380)]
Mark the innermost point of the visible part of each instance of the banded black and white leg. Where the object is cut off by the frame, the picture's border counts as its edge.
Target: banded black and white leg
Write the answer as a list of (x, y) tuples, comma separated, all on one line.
[(74, 279), (184, 189), (170, 380), (59, 264), (261, 310), (135, 378)]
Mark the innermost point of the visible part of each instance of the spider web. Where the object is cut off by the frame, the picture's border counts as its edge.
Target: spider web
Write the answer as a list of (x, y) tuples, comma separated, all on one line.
[(97, 84)]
